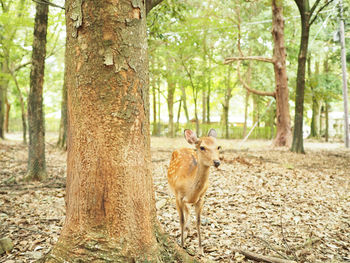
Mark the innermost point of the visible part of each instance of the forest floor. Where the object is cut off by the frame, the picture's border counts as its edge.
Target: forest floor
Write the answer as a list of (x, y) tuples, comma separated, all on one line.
[(264, 200)]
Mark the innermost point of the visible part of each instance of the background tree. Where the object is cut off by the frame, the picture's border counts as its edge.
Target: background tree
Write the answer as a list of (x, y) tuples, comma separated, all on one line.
[(36, 150), (307, 15), (283, 135)]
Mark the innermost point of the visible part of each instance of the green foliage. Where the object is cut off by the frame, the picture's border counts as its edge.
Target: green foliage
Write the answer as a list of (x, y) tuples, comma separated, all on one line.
[(188, 42)]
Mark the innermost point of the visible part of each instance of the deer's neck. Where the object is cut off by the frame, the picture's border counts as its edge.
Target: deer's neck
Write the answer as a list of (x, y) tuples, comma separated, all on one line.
[(201, 177)]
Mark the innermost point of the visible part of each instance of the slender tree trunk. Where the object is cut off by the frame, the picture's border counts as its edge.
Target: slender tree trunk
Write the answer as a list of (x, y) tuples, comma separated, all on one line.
[(23, 111), (184, 99), (178, 116), (170, 101), (2, 109), (204, 106), (314, 132), (284, 131), (315, 125), (298, 144), (62, 137), (246, 104), (110, 203), (154, 97), (36, 149), (7, 112), (159, 124), (255, 109), (226, 104), (208, 94), (327, 121), (196, 114)]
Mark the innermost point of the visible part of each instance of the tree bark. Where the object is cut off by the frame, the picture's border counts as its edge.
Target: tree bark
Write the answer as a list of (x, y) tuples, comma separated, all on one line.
[(284, 131), (36, 150), (298, 143), (110, 202), (315, 125), (283, 134)]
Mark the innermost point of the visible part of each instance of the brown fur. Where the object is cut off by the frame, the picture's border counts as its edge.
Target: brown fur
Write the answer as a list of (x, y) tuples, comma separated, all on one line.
[(188, 176)]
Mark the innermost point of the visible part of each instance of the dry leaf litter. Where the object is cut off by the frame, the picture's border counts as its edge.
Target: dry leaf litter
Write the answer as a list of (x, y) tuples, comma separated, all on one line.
[(264, 200)]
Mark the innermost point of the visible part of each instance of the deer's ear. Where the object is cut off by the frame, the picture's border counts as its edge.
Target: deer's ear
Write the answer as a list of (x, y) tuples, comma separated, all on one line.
[(190, 136), (212, 133)]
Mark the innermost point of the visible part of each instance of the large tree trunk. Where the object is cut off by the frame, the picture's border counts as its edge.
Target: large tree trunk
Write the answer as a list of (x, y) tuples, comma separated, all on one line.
[(62, 136), (284, 131), (298, 142), (2, 110), (110, 202), (36, 149)]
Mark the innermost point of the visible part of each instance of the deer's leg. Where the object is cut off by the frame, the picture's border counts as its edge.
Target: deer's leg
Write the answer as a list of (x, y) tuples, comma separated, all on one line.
[(186, 222), (180, 210), (199, 206)]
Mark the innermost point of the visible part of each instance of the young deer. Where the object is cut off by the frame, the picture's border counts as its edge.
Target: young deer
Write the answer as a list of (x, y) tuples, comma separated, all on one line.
[(188, 176)]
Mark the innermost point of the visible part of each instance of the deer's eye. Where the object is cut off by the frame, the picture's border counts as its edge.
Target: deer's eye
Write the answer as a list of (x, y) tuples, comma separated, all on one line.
[(219, 147), (202, 148)]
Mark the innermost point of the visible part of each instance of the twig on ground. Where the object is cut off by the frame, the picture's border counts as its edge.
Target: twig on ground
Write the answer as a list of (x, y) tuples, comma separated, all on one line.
[(285, 240), (269, 246), (257, 257)]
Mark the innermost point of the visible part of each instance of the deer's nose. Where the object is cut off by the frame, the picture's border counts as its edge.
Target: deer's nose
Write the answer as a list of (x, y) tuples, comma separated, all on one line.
[(216, 163)]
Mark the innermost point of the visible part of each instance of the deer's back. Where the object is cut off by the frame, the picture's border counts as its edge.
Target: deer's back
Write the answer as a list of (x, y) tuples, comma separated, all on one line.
[(182, 169)]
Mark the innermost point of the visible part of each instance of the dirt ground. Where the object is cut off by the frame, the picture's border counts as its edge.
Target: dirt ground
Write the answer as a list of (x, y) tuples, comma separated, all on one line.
[(264, 200)]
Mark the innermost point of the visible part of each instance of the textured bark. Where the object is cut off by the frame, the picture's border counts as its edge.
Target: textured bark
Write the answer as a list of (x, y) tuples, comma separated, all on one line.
[(62, 136), (283, 134), (298, 142), (110, 203), (283, 123), (36, 150)]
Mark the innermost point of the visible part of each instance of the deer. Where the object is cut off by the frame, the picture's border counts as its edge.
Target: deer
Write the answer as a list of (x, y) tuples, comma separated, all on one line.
[(188, 177)]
